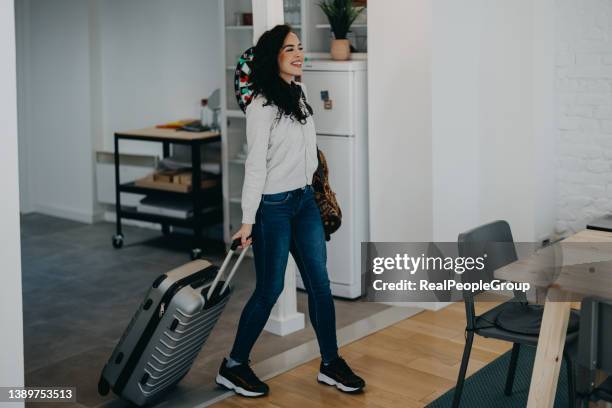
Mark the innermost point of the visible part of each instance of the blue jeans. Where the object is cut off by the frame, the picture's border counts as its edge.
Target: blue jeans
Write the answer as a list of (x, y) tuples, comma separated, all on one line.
[(288, 222)]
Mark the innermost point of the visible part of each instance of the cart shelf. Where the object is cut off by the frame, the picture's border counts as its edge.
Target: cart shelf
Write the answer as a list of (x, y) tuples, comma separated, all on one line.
[(210, 217), (205, 193)]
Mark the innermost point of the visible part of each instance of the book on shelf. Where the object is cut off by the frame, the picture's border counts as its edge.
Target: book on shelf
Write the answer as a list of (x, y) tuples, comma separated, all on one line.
[(178, 162), (169, 207), (603, 223), (168, 212)]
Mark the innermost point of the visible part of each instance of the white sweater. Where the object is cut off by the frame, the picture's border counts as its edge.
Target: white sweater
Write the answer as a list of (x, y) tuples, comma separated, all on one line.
[(282, 155)]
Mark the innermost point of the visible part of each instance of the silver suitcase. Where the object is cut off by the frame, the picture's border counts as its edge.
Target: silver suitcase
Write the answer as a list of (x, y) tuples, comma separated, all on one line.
[(168, 330)]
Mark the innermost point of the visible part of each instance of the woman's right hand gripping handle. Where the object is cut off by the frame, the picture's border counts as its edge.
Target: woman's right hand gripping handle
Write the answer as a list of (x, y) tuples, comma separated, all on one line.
[(244, 234)]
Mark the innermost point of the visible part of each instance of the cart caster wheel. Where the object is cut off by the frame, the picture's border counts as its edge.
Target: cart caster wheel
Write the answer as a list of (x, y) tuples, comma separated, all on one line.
[(103, 387), (196, 253), (117, 241)]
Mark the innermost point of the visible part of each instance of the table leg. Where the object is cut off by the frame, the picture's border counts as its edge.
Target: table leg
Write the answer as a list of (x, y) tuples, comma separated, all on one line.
[(549, 354), (165, 149), (118, 237), (165, 153), (196, 164)]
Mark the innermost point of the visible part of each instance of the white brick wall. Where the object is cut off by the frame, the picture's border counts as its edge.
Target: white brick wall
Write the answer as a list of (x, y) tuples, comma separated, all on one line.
[(584, 105)]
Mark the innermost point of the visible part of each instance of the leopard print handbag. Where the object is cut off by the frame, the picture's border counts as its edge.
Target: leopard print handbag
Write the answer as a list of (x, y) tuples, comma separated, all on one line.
[(331, 214)]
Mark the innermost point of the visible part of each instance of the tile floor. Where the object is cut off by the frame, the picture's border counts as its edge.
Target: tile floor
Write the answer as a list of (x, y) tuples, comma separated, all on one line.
[(79, 294)]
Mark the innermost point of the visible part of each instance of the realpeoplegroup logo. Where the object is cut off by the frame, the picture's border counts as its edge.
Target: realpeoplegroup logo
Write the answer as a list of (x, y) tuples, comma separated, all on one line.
[(458, 265), (418, 272)]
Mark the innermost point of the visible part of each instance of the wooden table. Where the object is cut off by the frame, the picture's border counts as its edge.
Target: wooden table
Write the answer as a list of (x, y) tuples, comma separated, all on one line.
[(173, 135), (578, 266), (198, 194)]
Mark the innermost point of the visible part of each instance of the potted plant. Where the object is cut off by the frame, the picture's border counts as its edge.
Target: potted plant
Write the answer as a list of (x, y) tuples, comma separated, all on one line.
[(341, 14)]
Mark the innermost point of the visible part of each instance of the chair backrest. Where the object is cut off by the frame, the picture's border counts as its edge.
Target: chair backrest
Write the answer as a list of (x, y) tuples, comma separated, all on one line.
[(493, 239), (595, 338)]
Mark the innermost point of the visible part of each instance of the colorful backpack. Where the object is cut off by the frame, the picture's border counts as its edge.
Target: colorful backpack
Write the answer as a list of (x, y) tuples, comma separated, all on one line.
[(331, 214), (243, 86)]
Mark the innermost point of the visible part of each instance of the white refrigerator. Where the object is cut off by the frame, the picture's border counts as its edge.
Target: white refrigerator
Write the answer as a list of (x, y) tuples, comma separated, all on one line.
[(337, 92)]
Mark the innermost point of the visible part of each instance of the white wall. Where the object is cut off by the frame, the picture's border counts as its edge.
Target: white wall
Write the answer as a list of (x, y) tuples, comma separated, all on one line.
[(584, 86), (55, 132), (89, 68), (456, 59), (159, 59), (22, 38), (545, 116), (399, 115), (506, 134), (461, 132), (11, 345)]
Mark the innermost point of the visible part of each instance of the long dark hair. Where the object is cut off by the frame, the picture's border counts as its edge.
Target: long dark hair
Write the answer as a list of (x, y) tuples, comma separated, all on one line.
[(288, 98)]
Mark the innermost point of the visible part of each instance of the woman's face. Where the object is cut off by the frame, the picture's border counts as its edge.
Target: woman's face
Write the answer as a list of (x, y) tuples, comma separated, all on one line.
[(291, 58)]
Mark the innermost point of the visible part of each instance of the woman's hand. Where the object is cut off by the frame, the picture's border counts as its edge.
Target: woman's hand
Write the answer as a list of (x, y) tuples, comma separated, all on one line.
[(244, 234)]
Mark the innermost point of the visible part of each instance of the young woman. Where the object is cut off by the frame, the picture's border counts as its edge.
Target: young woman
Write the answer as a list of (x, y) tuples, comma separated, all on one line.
[(281, 215)]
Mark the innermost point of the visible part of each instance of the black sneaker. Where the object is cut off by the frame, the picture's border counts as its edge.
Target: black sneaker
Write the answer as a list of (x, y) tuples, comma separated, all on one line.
[(241, 379), (338, 373)]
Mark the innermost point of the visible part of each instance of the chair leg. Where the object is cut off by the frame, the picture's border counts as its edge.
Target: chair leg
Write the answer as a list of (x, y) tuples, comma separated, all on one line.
[(463, 369), (571, 381), (516, 348), (582, 402), (582, 384)]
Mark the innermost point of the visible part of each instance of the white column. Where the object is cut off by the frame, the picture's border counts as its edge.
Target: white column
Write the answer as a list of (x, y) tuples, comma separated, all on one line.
[(11, 346), (285, 318), (266, 14)]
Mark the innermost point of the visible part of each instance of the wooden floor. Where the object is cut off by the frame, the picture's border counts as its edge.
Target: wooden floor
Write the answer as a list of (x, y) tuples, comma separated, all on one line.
[(406, 365)]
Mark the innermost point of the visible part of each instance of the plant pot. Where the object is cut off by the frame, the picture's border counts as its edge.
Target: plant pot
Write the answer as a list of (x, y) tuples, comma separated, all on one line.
[(340, 50)]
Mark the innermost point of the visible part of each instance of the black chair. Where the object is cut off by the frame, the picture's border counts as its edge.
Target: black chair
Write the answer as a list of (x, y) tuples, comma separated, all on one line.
[(495, 240), (594, 350)]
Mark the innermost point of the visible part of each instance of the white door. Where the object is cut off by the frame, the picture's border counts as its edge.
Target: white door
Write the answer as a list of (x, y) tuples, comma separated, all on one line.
[(331, 96), (339, 153)]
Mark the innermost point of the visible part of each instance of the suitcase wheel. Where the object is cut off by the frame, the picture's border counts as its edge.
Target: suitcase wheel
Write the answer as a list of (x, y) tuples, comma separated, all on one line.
[(103, 386), (117, 241)]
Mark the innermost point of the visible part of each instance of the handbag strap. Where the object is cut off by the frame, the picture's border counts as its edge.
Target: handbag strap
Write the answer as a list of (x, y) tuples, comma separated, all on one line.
[(319, 165)]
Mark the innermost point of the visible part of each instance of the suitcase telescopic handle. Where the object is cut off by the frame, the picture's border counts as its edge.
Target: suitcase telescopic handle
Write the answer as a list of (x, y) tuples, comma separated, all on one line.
[(226, 261)]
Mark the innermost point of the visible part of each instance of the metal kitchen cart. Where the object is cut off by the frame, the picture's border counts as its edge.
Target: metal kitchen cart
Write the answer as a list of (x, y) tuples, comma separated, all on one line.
[(209, 198)]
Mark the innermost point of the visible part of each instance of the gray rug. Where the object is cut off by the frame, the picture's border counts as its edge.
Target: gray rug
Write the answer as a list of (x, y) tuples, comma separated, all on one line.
[(485, 388)]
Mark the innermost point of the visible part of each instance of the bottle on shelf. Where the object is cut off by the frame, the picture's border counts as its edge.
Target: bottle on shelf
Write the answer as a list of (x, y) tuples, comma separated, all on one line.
[(205, 114)]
